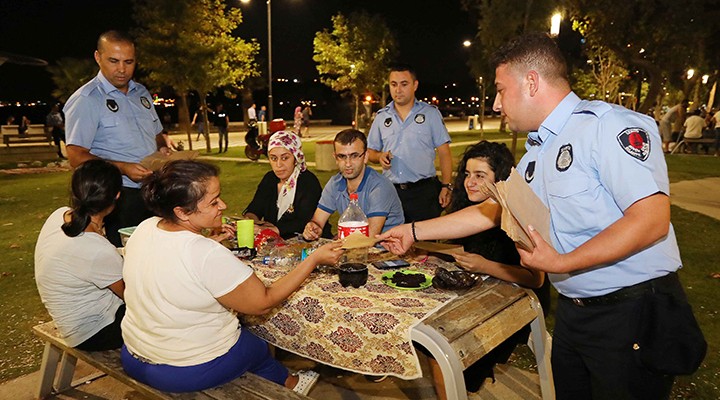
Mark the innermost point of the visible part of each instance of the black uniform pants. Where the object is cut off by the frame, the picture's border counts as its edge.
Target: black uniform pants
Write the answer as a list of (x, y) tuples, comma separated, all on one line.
[(129, 210), (592, 351), (420, 199)]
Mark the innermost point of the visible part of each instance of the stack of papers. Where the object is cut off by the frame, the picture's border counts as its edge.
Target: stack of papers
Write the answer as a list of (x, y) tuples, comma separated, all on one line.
[(156, 160), (520, 208)]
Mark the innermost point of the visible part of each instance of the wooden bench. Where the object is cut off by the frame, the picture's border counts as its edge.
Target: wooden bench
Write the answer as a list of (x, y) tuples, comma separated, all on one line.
[(59, 360), (36, 133), (685, 142), (469, 327)]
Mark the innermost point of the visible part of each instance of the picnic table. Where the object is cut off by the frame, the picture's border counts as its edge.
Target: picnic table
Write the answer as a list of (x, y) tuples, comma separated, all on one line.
[(371, 330)]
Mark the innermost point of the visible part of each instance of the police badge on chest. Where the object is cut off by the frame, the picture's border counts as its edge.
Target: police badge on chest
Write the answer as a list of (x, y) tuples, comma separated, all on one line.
[(564, 158)]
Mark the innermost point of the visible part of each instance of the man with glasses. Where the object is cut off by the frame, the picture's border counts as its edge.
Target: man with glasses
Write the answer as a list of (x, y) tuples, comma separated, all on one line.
[(376, 195)]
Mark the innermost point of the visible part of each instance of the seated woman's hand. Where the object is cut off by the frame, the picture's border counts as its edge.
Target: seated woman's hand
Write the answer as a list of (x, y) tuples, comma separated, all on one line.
[(225, 232), (470, 261), (327, 254)]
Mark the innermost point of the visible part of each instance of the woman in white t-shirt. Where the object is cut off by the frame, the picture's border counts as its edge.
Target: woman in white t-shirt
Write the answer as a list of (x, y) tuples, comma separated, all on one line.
[(78, 272), (184, 290)]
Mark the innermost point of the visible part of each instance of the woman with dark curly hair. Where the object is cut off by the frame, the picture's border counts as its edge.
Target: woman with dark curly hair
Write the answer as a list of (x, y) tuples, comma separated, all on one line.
[(184, 291), (78, 272), (491, 252)]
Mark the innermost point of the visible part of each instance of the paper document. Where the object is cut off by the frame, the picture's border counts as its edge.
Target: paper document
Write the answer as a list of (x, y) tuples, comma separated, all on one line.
[(156, 160), (357, 240), (520, 208), (439, 248)]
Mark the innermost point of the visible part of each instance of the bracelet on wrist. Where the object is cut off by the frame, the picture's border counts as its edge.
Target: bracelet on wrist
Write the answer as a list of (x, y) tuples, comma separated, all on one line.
[(448, 186), (412, 227)]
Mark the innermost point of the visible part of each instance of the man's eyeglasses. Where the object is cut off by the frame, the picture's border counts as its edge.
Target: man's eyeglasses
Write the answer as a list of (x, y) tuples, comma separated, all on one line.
[(351, 156)]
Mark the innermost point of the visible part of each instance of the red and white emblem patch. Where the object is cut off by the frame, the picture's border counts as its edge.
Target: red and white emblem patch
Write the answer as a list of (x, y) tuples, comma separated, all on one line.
[(636, 142)]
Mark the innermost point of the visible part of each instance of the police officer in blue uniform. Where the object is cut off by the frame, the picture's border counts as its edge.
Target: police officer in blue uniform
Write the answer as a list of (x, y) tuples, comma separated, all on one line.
[(600, 170), (112, 117), (403, 139)]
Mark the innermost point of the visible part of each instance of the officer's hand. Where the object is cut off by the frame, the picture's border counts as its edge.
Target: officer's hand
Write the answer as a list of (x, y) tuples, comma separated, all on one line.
[(134, 171), (543, 257), (385, 159), (444, 198)]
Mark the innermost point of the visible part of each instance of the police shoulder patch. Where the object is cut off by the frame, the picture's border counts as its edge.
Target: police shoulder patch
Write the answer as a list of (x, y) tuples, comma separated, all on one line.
[(636, 142), (145, 102), (420, 118), (388, 122)]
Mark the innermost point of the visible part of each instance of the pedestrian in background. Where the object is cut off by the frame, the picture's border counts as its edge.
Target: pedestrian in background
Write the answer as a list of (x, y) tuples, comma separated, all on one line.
[(222, 121)]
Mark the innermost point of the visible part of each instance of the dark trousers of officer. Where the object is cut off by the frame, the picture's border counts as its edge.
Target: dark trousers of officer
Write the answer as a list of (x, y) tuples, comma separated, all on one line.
[(592, 355), (420, 199), (130, 210)]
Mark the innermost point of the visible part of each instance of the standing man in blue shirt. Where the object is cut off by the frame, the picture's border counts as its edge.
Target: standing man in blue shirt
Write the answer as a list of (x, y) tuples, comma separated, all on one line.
[(376, 195), (601, 172), (403, 139), (112, 117)]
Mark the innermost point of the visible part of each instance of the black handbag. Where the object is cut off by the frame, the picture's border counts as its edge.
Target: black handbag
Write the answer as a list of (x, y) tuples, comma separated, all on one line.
[(669, 340)]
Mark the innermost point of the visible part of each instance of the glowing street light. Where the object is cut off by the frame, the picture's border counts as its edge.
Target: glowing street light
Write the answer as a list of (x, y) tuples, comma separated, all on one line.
[(690, 73), (467, 43), (555, 24)]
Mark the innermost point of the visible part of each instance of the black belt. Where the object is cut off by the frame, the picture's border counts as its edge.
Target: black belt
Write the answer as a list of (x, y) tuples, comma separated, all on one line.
[(626, 293), (410, 185)]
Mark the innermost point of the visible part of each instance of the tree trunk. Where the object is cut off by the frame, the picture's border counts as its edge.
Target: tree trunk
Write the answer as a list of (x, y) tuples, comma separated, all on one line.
[(184, 117), (206, 121), (357, 112)]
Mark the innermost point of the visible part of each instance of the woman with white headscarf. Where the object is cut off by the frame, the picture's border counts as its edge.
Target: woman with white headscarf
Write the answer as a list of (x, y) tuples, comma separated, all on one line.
[(287, 196)]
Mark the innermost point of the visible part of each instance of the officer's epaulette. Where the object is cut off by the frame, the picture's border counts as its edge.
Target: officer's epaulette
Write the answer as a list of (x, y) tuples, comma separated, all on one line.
[(595, 107), (89, 87), (386, 108)]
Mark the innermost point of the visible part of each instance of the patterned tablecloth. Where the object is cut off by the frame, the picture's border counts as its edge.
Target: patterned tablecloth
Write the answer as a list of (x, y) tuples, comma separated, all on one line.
[(364, 330)]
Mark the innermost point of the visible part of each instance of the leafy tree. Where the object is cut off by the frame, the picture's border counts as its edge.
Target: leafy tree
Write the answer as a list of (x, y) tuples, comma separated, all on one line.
[(68, 74), (188, 45), (603, 76), (661, 38), (498, 22), (355, 55)]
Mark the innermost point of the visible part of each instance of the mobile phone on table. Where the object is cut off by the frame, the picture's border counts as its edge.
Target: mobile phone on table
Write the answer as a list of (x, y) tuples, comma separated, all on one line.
[(390, 264)]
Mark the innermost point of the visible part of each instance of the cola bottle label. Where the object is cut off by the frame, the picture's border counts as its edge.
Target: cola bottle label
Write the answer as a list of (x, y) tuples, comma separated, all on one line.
[(346, 228)]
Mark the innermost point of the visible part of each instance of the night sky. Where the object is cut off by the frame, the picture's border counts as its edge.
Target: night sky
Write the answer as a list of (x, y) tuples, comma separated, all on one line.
[(429, 33)]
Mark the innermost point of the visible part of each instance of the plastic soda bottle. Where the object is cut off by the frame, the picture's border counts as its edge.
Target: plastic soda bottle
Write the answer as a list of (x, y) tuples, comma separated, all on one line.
[(353, 219)]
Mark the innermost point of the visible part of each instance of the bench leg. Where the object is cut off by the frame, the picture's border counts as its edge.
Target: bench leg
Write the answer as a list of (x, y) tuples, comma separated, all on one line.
[(51, 356), (450, 365), (540, 343), (67, 370)]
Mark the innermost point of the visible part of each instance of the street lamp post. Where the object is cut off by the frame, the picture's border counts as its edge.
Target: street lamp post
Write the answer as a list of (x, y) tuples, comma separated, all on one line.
[(270, 78), (481, 83)]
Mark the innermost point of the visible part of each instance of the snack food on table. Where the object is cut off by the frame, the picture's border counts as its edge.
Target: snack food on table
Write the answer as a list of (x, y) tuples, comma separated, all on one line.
[(402, 279), (445, 279)]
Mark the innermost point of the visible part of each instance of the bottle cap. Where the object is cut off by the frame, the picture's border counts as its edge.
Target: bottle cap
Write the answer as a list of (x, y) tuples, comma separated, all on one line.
[(353, 196)]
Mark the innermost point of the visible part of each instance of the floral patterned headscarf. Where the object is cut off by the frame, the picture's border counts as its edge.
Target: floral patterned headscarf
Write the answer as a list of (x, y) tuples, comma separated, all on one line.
[(291, 142)]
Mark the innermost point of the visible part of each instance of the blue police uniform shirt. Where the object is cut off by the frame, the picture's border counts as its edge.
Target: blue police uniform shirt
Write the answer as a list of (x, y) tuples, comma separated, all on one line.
[(412, 142), (111, 124), (588, 162), (377, 197)]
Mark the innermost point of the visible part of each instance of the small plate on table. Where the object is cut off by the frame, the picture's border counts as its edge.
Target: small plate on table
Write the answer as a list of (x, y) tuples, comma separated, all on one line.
[(415, 280)]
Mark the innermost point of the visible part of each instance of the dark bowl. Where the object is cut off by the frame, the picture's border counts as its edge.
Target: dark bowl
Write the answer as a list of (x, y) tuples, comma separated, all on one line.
[(353, 274)]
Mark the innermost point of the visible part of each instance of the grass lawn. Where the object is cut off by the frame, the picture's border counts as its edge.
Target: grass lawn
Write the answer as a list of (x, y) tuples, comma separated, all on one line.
[(26, 201)]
